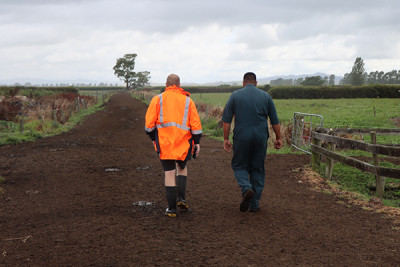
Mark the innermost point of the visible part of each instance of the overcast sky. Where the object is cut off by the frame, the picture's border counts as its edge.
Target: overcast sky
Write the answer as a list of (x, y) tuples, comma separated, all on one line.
[(200, 40)]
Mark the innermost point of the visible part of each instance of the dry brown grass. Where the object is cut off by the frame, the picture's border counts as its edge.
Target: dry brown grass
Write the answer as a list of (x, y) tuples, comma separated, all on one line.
[(349, 198), (58, 107)]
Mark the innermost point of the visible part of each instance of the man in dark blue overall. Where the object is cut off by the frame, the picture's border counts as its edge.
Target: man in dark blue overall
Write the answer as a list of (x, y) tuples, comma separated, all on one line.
[(251, 108)]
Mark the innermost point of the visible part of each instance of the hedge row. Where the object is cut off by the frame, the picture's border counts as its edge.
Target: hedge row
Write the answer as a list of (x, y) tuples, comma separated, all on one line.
[(329, 92), (36, 91), (100, 88), (200, 89), (306, 92)]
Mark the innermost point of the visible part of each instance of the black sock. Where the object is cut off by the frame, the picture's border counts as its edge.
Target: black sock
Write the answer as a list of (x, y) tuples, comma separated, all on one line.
[(172, 192), (181, 182)]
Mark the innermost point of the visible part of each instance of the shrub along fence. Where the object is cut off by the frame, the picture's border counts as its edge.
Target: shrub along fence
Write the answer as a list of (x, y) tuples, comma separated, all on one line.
[(302, 92), (333, 92), (32, 91), (328, 136)]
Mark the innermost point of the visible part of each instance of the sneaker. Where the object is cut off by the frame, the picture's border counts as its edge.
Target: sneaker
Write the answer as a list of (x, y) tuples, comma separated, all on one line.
[(170, 213), (247, 196), (183, 205)]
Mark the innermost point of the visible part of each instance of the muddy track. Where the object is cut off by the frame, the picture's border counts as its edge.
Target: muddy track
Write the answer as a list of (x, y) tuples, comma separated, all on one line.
[(95, 196)]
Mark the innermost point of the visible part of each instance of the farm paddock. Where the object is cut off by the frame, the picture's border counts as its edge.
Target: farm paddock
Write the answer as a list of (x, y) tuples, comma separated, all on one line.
[(95, 196)]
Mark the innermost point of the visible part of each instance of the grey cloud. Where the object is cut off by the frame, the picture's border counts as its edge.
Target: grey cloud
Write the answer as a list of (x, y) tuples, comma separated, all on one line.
[(177, 15), (369, 28)]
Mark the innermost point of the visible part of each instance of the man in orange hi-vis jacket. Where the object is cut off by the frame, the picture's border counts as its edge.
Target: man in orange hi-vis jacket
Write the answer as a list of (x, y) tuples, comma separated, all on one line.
[(174, 126)]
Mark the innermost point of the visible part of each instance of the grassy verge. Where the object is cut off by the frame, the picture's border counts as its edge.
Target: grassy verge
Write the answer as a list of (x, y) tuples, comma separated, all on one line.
[(351, 179), (10, 133)]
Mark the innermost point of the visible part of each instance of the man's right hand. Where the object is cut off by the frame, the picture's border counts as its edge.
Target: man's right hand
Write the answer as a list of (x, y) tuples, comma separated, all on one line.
[(227, 146)]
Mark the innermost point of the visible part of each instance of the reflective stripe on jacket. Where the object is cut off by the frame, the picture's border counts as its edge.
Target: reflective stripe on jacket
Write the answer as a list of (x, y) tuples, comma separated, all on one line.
[(174, 115)]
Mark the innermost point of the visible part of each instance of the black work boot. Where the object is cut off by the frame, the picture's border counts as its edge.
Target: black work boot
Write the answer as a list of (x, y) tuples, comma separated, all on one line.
[(247, 196), (181, 182), (172, 192)]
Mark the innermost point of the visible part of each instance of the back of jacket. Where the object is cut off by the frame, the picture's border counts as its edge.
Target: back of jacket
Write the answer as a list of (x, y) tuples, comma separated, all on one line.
[(175, 118)]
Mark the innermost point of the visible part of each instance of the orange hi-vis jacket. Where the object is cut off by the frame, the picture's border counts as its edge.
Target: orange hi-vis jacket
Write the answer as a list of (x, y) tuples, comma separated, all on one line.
[(173, 115)]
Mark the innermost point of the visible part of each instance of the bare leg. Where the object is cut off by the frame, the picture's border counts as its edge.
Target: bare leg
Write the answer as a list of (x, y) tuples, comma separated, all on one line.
[(170, 178)]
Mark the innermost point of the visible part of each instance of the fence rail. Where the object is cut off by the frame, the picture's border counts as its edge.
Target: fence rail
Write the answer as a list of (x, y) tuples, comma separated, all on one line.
[(332, 142)]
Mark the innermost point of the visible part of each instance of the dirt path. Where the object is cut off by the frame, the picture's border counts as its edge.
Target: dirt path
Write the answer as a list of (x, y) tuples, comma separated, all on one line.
[(73, 200)]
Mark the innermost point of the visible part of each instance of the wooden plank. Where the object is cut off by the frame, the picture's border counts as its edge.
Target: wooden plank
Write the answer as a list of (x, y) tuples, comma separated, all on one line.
[(330, 162), (358, 131), (346, 160), (358, 145), (387, 172)]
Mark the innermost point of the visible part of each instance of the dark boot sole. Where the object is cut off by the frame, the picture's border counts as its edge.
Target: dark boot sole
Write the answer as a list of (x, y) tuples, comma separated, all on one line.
[(244, 205)]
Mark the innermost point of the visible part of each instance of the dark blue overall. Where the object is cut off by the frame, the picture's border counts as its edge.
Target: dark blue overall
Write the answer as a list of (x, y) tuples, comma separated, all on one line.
[(251, 108)]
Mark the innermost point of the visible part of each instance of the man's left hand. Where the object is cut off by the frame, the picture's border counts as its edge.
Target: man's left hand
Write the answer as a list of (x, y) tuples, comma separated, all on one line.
[(278, 144), (197, 149)]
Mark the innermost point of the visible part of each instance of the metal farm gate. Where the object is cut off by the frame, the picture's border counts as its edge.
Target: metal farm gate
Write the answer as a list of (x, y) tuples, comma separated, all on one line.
[(303, 125)]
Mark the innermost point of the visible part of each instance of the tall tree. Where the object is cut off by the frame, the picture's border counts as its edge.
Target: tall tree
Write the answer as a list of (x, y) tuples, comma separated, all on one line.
[(123, 69), (332, 79), (358, 74), (298, 81), (142, 78), (313, 81)]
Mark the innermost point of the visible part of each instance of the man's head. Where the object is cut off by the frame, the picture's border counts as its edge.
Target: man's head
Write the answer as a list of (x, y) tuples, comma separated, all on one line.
[(249, 78), (173, 79)]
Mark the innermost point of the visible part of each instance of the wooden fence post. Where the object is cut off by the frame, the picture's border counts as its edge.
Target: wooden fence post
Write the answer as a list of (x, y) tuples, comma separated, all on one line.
[(315, 157), (330, 162), (21, 125), (62, 116), (380, 181), (78, 108)]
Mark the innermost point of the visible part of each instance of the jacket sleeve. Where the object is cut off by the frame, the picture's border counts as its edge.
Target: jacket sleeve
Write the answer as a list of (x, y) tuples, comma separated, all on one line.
[(195, 123), (151, 117)]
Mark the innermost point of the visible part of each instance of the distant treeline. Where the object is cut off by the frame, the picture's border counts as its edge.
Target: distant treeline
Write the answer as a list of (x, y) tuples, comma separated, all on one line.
[(33, 91), (305, 92), (330, 92), (201, 89), (101, 88), (38, 91)]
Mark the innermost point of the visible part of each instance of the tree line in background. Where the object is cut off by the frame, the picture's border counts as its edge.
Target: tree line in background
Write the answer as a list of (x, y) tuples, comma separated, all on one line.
[(357, 76), (307, 81), (124, 69)]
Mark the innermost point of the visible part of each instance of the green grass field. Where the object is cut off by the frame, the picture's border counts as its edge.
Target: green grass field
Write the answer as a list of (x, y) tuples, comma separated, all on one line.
[(336, 113), (354, 113)]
